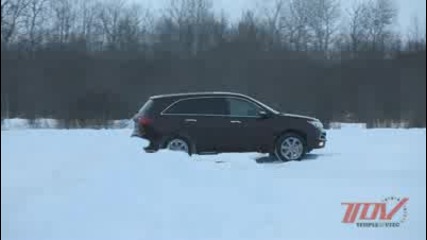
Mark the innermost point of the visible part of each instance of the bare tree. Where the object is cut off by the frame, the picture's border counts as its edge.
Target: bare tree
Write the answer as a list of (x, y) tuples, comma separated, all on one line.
[(4, 5), (415, 38), (272, 15), (247, 28), (323, 22), (35, 17), (189, 11), (12, 13), (358, 26), (110, 15), (381, 14), (370, 25), (130, 30), (125, 26), (192, 18), (87, 28), (64, 20), (310, 24), (295, 25)]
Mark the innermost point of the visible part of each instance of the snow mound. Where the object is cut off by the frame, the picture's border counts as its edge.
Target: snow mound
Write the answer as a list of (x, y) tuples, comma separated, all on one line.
[(15, 123)]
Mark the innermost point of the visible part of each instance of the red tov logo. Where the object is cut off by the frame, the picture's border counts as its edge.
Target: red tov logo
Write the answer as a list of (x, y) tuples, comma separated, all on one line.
[(367, 213)]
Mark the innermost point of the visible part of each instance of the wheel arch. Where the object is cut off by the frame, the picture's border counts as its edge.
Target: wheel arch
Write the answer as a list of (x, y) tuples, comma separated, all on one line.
[(291, 131)]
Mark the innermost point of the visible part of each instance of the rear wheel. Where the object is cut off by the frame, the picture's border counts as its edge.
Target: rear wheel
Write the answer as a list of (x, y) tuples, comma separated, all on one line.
[(290, 147), (179, 145)]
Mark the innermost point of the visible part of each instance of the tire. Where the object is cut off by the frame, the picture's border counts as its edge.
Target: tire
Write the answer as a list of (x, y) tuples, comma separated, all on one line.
[(178, 144), (290, 147)]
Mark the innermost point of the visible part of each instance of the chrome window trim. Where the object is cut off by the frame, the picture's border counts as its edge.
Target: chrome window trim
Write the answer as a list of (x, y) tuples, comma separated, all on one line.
[(163, 113)]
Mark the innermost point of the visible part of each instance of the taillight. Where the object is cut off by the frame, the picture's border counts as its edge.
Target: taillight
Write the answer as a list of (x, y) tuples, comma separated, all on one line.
[(144, 121)]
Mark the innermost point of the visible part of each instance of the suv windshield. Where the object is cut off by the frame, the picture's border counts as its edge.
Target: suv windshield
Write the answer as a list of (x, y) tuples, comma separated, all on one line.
[(264, 106)]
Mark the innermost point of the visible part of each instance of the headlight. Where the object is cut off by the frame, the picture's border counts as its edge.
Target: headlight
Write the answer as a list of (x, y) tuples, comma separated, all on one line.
[(316, 124)]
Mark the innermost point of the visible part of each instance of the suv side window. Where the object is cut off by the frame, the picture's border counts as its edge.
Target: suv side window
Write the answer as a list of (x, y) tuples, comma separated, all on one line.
[(199, 106), (242, 108)]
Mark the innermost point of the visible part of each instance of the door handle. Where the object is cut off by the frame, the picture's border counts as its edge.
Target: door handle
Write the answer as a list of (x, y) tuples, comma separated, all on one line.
[(190, 120), (235, 122)]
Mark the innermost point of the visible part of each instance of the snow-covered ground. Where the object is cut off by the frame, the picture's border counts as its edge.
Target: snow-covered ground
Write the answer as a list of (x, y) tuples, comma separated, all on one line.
[(90, 185)]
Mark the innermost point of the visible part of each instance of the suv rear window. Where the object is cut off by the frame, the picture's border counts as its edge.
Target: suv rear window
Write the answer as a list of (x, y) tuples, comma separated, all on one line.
[(199, 106), (146, 108)]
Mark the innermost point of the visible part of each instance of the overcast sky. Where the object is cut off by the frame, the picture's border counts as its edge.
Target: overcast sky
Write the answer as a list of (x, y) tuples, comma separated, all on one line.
[(234, 8)]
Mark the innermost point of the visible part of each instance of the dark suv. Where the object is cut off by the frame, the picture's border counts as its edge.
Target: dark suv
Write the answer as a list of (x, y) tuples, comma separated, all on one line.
[(218, 122)]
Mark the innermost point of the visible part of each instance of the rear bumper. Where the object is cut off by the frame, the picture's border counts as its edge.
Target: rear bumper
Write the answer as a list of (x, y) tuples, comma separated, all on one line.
[(136, 131), (152, 147), (135, 134)]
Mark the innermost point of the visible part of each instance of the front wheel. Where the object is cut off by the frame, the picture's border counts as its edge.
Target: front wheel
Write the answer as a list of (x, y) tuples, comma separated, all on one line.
[(290, 147)]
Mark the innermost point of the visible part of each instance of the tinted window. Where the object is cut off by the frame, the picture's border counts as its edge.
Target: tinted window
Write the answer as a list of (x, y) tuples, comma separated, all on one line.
[(146, 108), (242, 108), (202, 106)]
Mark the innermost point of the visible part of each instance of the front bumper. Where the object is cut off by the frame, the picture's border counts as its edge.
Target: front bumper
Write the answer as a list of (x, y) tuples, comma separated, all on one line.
[(321, 141)]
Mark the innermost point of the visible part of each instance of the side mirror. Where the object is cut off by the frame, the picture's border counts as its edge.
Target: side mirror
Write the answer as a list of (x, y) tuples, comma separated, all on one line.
[(263, 114)]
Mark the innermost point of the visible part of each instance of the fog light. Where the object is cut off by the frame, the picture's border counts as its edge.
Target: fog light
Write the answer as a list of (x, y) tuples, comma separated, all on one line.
[(321, 144)]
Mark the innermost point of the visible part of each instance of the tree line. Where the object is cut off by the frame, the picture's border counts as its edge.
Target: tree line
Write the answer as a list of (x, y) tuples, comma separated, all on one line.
[(100, 60)]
